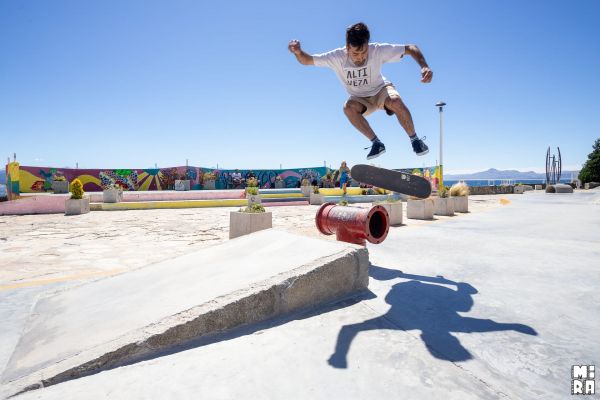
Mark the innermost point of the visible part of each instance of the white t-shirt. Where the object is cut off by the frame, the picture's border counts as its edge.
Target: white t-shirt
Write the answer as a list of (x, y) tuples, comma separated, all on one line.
[(366, 80)]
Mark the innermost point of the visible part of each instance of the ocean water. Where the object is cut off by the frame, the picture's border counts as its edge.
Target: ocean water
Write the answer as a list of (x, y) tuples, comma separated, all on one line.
[(498, 182), (3, 190)]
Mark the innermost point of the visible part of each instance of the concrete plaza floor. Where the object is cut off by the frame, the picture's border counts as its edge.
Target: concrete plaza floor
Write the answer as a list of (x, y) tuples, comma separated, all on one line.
[(497, 303)]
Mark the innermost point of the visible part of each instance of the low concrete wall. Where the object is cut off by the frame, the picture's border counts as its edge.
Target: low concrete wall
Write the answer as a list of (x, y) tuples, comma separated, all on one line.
[(481, 190)]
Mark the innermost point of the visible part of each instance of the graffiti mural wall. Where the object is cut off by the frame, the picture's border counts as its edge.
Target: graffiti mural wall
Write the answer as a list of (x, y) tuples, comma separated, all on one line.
[(432, 174), (39, 179)]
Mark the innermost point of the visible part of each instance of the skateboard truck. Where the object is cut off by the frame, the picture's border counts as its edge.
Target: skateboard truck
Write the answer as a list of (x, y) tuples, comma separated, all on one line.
[(352, 224)]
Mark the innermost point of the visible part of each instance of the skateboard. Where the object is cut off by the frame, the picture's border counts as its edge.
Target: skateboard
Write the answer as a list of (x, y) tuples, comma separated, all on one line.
[(396, 181)]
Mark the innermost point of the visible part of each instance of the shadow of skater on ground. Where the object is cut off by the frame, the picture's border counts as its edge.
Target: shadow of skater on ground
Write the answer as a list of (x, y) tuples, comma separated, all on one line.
[(422, 303)]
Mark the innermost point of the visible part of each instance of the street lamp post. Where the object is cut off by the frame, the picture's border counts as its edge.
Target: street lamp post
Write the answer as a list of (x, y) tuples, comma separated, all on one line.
[(440, 105)]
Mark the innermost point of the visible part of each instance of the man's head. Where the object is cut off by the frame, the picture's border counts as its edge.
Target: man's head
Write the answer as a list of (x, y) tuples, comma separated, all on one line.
[(357, 43)]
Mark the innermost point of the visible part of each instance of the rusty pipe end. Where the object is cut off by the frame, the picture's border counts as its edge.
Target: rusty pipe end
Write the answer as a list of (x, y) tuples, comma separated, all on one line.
[(321, 216), (377, 224)]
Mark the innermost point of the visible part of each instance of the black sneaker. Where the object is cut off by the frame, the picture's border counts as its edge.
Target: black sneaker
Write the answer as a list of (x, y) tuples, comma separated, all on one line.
[(377, 149), (419, 147)]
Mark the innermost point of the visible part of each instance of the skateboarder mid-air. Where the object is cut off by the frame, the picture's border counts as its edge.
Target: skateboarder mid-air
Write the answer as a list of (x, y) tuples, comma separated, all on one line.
[(358, 66)]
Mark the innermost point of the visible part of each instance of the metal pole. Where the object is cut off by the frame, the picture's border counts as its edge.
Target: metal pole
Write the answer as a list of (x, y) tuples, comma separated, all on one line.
[(440, 105)]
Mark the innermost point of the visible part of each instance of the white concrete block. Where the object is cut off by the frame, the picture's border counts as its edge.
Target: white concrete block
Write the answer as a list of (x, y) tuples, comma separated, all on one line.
[(242, 223), (77, 206), (461, 204), (394, 211), (419, 209), (443, 206)]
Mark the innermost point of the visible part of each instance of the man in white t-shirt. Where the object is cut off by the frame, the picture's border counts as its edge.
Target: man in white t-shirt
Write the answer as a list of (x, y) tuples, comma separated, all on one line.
[(358, 66)]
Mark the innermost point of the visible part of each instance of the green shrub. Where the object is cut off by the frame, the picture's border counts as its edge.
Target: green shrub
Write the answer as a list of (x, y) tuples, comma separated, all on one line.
[(443, 192), (58, 178), (254, 208), (76, 189), (252, 190), (590, 172), (315, 189), (342, 203), (252, 182)]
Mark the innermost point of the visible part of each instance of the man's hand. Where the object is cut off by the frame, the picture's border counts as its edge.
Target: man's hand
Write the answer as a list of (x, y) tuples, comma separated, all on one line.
[(294, 47), (426, 75), (303, 58)]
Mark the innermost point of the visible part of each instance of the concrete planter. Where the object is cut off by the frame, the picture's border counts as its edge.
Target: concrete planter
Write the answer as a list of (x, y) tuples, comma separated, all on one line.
[(591, 185), (77, 206), (253, 199), (316, 199), (209, 185), (306, 190), (538, 187), (461, 204), (279, 185), (443, 206), (419, 209), (60, 187), (112, 195), (242, 223), (519, 189), (394, 211), (182, 185)]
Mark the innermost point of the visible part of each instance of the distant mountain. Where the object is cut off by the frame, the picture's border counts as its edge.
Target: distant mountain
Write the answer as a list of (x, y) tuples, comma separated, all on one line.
[(493, 173), (3, 177)]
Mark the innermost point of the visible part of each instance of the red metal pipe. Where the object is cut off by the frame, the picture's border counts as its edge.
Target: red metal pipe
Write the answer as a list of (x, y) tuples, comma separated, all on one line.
[(353, 224)]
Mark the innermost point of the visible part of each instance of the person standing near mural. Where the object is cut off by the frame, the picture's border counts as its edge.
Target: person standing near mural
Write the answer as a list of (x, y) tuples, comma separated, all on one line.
[(343, 174), (358, 66)]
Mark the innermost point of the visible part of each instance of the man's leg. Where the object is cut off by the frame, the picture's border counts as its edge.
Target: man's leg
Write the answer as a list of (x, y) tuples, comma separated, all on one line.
[(354, 112), (396, 105)]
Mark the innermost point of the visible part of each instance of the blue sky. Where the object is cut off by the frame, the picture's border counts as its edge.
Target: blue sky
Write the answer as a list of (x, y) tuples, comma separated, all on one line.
[(134, 83)]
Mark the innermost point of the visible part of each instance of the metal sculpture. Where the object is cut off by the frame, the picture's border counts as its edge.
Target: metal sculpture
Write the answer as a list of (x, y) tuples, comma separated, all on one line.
[(553, 167)]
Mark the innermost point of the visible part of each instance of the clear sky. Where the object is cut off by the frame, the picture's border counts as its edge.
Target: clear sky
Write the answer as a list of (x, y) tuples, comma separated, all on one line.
[(128, 84)]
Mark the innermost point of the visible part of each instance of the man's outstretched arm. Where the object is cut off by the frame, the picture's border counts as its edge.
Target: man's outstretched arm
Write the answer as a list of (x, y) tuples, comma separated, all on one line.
[(303, 58), (414, 52)]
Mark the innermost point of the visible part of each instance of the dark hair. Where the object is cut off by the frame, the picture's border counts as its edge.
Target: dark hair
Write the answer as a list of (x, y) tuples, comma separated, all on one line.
[(357, 35)]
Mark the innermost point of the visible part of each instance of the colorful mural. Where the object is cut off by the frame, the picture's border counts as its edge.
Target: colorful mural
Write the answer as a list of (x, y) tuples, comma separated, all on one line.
[(32, 179), (12, 180), (432, 174)]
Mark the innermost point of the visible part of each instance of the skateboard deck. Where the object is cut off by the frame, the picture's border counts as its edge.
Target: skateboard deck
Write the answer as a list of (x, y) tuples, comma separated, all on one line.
[(396, 181)]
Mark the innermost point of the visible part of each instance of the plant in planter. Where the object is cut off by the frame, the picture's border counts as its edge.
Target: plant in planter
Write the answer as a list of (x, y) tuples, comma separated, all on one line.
[(305, 187), (443, 204), (60, 185), (460, 195), (78, 203), (252, 195), (112, 194), (250, 219), (394, 208), (209, 179), (316, 198), (342, 203)]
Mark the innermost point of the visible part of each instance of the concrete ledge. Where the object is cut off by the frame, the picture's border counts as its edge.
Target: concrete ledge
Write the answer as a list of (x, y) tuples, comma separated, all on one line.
[(123, 318), (153, 205)]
